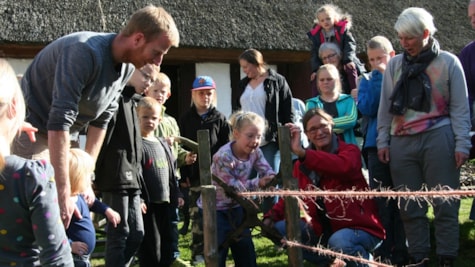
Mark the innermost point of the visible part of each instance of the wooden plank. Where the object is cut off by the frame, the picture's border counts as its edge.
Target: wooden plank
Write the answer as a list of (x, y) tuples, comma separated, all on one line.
[(210, 233), (204, 157), (292, 212), (208, 197)]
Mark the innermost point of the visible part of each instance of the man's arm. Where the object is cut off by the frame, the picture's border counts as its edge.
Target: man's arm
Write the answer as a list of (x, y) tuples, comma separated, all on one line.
[(58, 144), (94, 140)]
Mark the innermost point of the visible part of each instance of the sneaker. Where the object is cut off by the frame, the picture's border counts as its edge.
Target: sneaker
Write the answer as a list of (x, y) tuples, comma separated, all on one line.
[(198, 259)]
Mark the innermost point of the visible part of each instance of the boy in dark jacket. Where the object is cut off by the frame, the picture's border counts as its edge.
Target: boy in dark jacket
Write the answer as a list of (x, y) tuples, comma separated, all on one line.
[(119, 172), (202, 115)]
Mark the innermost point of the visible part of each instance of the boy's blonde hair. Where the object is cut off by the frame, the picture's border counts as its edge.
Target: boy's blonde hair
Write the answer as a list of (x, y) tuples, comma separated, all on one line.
[(149, 102), (152, 21), (240, 118), (81, 170), (380, 42), (163, 79)]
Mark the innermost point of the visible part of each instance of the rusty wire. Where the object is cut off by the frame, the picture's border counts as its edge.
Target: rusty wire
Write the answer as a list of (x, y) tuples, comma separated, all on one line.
[(327, 252), (443, 192)]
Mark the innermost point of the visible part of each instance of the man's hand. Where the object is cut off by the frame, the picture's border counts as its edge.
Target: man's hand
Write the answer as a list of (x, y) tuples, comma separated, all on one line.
[(113, 217), (460, 159), (383, 155), (68, 209), (58, 145), (29, 130)]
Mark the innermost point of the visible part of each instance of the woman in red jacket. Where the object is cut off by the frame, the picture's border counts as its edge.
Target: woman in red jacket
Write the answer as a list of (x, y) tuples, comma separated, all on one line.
[(351, 226)]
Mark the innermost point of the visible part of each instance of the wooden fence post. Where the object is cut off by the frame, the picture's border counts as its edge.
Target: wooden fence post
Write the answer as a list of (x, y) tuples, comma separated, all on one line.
[(208, 197), (292, 211)]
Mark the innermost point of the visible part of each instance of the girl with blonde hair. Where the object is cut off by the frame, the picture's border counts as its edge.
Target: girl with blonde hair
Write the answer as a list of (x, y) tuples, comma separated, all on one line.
[(32, 232)]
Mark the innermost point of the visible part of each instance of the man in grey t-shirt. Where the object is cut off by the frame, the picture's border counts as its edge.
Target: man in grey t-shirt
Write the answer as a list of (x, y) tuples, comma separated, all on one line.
[(74, 82)]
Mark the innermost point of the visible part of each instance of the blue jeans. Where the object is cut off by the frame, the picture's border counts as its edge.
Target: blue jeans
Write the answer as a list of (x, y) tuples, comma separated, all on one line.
[(174, 218), (354, 242), (124, 240), (308, 238), (272, 155), (243, 251)]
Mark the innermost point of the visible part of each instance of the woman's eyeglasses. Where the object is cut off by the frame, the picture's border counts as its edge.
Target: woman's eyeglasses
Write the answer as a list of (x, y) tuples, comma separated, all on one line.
[(329, 57), (314, 130)]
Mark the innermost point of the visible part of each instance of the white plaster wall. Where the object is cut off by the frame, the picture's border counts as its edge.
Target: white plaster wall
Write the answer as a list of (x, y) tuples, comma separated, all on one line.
[(19, 65), (220, 72)]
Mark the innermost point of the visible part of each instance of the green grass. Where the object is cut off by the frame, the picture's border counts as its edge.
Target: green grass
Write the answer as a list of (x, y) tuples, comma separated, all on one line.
[(467, 236), (268, 255)]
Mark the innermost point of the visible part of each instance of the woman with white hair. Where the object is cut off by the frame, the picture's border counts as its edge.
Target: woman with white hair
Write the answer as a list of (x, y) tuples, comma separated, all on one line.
[(423, 133), (330, 53)]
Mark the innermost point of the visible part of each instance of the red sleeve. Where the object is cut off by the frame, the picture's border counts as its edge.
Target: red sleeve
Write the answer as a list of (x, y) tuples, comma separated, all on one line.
[(345, 162), (277, 213)]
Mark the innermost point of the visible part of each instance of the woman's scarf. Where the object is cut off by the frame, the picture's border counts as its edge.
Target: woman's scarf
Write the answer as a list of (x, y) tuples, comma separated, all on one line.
[(413, 89)]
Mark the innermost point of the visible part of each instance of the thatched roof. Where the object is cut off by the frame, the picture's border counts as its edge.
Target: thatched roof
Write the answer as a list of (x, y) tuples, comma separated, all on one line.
[(239, 24)]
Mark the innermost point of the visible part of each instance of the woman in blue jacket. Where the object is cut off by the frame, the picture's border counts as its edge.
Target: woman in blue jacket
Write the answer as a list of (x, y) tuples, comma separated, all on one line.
[(340, 106)]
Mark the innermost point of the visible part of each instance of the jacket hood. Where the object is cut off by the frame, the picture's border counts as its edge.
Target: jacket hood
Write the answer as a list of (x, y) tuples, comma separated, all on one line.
[(342, 25)]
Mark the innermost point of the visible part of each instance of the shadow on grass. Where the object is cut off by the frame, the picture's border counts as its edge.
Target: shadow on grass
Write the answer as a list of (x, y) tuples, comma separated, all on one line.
[(467, 244)]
